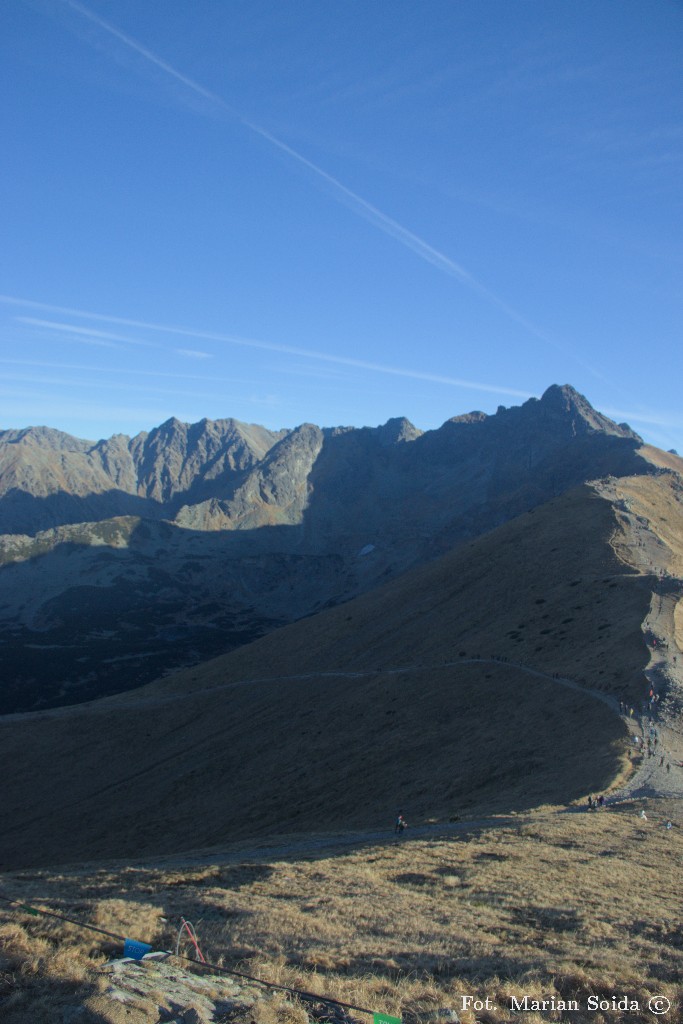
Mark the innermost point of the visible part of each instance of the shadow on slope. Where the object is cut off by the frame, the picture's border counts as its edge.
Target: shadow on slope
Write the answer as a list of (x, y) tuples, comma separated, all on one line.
[(283, 757), (236, 749), (24, 513), (106, 607)]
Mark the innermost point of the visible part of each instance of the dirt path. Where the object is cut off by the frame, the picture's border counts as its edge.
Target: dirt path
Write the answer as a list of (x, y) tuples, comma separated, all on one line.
[(650, 778), (287, 846), (109, 704)]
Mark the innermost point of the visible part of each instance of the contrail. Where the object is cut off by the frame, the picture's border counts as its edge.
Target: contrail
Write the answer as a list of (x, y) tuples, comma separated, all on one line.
[(152, 57), (48, 365), (343, 194), (666, 419), (254, 343), (88, 334)]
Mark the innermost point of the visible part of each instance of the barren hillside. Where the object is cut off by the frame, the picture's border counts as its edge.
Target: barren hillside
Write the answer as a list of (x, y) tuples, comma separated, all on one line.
[(421, 694)]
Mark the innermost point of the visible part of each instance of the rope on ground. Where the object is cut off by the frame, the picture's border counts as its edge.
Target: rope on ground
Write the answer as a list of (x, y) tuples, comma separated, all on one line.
[(310, 996)]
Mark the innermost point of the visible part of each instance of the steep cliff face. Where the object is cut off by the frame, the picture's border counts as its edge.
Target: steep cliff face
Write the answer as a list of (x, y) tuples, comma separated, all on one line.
[(177, 458), (48, 478), (273, 491)]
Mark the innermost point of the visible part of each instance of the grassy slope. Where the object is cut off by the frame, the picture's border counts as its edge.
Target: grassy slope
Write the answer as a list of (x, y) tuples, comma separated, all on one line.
[(545, 589), (659, 501), (557, 906), (658, 504), (140, 774)]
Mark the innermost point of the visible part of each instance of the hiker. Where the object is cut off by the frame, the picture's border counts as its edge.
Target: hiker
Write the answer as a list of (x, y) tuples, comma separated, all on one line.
[(643, 815), (590, 803), (601, 801), (401, 823), (668, 766)]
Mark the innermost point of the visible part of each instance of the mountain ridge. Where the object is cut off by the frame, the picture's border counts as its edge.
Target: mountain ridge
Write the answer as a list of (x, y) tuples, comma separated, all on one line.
[(169, 466), (233, 530)]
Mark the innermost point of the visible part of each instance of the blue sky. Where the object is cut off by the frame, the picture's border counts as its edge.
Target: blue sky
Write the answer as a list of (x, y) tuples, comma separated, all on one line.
[(338, 212)]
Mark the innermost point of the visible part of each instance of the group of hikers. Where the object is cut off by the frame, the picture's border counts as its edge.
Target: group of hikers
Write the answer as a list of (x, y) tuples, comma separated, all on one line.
[(646, 744), (597, 802)]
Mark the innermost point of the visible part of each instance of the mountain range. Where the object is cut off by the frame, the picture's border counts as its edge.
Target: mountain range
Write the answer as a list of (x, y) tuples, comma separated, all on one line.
[(355, 620), (127, 558)]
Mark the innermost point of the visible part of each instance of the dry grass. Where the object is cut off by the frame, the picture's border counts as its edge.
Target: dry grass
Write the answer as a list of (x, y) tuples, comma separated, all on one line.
[(546, 904), (560, 905), (658, 501)]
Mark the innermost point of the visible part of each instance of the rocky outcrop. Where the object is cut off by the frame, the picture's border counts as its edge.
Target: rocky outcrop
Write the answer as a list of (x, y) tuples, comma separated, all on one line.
[(275, 491), (48, 478)]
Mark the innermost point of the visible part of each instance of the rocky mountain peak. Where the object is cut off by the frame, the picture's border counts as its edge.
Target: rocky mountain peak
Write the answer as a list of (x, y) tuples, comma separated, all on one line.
[(182, 466), (563, 402), (397, 430), (470, 417), (46, 438)]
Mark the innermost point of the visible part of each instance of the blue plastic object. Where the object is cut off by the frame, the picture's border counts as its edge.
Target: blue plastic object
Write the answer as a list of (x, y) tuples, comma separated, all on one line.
[(135, 950)]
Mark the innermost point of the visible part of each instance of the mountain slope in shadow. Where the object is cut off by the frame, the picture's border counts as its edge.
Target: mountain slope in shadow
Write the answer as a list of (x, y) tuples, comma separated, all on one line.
[(401, 698)]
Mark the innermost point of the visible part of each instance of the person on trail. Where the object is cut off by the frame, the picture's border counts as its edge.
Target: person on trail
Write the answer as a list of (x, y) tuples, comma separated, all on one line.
[(668, 766), (601, 801), (590, 803), (401, 823), (643, 815)]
